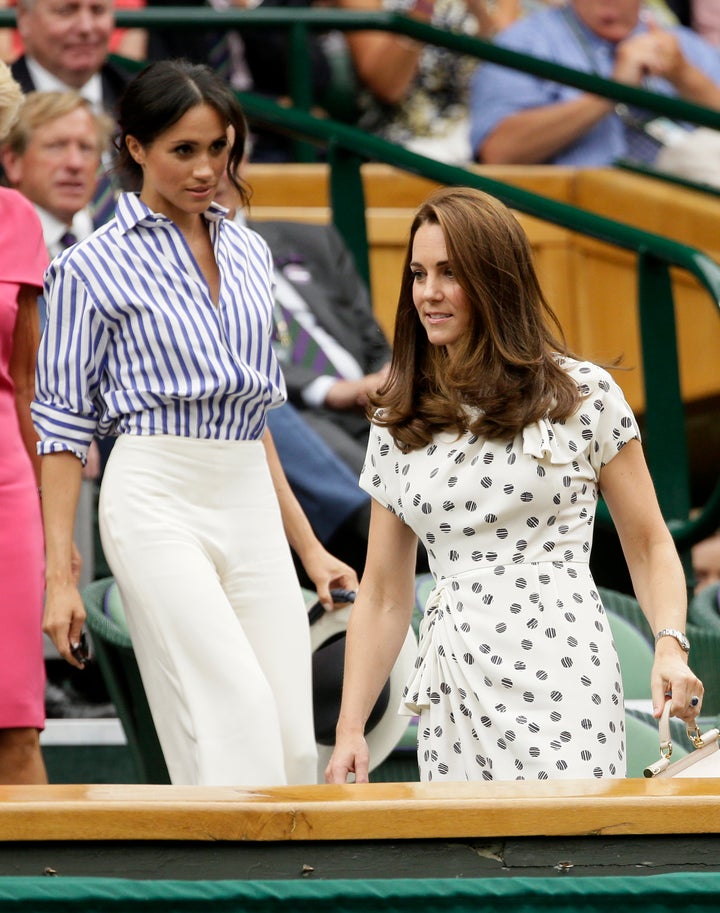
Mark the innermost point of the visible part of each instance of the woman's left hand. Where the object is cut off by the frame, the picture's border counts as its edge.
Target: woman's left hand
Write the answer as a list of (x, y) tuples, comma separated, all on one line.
[(328, 572)]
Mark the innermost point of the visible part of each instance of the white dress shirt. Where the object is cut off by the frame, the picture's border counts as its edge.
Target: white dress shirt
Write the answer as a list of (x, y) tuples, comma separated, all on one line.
[(45, 81), (54, 229)]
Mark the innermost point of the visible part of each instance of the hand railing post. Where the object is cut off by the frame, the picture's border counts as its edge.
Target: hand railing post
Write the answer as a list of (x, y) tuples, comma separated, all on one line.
[(665, 433), (347, 199), (301, 82)]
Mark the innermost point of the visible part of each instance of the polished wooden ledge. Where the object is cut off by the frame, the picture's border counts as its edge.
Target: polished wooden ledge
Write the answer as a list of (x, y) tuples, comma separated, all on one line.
[(376, 811)]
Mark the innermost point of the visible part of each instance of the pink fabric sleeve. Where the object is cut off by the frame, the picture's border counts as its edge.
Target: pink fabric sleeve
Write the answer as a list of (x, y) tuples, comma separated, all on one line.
[(23, 255)]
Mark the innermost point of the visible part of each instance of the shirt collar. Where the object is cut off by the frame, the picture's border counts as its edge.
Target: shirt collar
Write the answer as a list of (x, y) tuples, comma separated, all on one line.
[(131, 211), (45, 81), (54, 229)]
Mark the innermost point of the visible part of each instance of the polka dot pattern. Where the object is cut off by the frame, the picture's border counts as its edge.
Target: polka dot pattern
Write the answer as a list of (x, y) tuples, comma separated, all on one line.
[(517, 675)]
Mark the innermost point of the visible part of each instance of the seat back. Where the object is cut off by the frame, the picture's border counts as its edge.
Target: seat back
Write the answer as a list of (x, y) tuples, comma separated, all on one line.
[(703, 631), (116, 658), (642, 741), (635, 655)]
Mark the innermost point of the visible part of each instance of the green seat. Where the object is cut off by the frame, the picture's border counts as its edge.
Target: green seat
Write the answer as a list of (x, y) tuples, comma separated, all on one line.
[(703, 631), (116, 658), (635, 655), (704, 609), (628, 608)]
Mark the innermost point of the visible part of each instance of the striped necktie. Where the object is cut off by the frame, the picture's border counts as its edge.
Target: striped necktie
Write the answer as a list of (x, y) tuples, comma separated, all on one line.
[(102, 205), (298, 346), (67, 240), (641, 146)]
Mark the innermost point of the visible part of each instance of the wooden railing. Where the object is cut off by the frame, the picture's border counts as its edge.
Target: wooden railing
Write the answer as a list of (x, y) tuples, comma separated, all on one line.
[(375, 811)]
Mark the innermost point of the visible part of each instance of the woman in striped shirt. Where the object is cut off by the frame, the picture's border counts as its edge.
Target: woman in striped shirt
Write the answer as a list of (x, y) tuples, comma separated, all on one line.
[(159, 331)]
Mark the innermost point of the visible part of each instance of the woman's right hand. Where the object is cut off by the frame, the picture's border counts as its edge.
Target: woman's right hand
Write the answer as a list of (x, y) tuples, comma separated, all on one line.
[(350, 755), (64, 618)]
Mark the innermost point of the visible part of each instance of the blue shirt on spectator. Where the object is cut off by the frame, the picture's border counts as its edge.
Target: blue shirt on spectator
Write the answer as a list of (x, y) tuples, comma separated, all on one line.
[(558, 35), (134, 343)]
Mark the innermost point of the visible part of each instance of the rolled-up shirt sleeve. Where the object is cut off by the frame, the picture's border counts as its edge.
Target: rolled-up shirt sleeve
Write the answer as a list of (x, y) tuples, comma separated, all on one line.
[(69, 367)]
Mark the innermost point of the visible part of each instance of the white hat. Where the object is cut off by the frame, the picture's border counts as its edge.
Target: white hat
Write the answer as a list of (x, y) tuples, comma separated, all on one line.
[(385, 726)]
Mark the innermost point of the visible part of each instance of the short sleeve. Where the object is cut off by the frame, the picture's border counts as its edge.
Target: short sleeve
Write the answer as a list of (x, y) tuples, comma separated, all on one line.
[(606, 413), (380, 470)]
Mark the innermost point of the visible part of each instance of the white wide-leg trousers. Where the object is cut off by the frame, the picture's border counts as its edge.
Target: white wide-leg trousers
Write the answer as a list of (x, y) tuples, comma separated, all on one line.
[(193, 535)]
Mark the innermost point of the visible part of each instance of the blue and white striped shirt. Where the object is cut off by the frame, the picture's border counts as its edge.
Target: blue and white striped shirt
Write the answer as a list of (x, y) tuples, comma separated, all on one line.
[(135, 345)]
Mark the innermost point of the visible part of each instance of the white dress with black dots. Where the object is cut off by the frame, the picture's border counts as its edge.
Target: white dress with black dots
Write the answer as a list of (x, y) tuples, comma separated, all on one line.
[(517, 675)]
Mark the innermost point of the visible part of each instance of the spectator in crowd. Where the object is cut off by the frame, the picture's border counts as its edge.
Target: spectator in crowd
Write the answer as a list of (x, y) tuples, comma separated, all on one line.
[(524, 119), (403, 90), (706, 561), (23, 259), (417, 94), (52, 156), (130, 43), (67, 48), (332, 349), (223, 50), (705, 19)]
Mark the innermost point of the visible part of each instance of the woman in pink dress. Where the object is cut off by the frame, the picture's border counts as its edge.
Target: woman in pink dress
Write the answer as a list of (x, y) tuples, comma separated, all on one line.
[(23, 259)]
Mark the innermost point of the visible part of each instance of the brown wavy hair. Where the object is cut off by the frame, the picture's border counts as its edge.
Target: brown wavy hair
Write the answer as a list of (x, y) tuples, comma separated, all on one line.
[(506, 367)]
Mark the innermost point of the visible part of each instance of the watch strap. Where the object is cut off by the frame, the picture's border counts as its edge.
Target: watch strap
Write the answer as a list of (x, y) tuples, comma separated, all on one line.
[(678, 635)]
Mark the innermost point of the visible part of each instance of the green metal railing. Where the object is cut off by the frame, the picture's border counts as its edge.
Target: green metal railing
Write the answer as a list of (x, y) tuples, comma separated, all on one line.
[(302, 22), (347, 148)]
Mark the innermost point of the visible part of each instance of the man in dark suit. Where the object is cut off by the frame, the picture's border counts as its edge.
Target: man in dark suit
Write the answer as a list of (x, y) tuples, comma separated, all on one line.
[(316, 271), (67, 47)]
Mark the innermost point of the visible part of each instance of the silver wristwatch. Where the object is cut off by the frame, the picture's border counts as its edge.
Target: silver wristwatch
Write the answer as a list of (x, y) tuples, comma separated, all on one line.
[(678, 635)]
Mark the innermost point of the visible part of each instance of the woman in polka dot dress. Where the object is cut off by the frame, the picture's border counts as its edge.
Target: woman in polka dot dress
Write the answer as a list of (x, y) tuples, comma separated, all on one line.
[(491, 444)]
